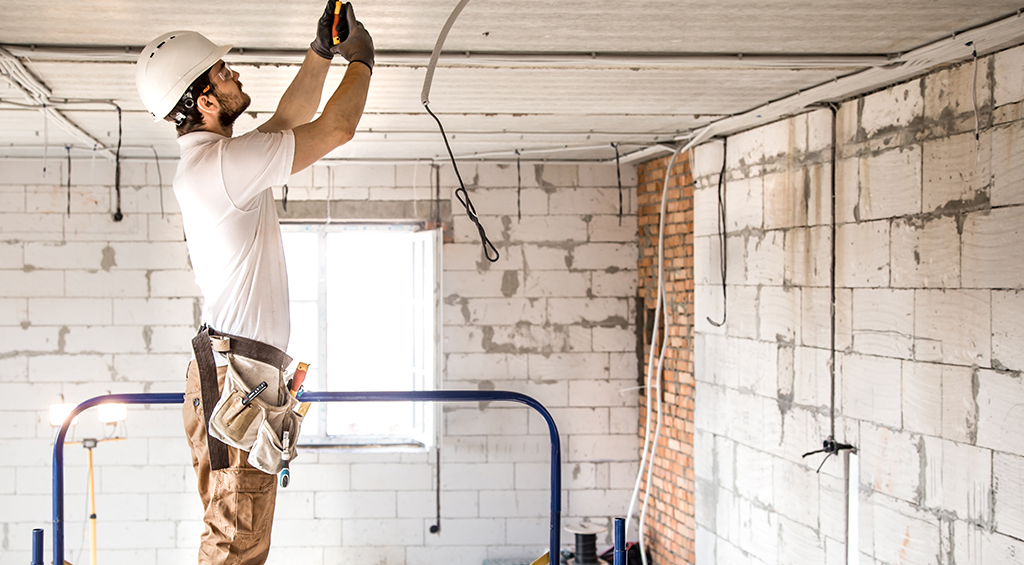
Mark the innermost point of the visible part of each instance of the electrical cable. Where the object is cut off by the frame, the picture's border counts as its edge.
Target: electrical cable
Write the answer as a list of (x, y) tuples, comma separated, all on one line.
[(830, 446), (722, 247), (68, 149), (700, 137), (618, 176), (160, 180), (118, 216), (460, 193), (651, 447), (974, 97), (463, 197), (519, 188), (46, 137), (436, 526)]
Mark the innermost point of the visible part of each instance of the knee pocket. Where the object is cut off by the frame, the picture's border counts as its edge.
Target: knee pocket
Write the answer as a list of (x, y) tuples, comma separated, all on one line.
[(243, 504)]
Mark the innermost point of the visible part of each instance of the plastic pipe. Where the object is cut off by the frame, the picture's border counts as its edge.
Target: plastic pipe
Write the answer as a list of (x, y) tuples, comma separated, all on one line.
[(619, 556), (554, 540), (37, 546)]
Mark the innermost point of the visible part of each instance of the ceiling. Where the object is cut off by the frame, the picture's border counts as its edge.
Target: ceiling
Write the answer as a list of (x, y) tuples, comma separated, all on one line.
[(555, 80)]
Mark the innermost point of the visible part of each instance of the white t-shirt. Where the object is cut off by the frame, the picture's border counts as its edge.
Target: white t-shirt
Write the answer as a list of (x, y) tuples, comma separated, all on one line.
[(234, 239)]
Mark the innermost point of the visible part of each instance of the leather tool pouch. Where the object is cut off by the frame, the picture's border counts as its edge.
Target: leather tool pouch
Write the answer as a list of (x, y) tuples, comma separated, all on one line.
[(258, 426)]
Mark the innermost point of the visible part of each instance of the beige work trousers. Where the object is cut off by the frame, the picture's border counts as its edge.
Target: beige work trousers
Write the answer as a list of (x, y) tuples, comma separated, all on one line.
[(238, 501)]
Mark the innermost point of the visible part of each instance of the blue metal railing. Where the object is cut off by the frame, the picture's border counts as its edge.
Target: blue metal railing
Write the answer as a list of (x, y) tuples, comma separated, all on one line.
[(414, 396)]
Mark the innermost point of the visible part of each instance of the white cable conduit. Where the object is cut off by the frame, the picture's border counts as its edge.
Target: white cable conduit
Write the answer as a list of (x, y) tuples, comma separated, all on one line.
[(36, 91), (652, 446), (490, 58), (986, 39)]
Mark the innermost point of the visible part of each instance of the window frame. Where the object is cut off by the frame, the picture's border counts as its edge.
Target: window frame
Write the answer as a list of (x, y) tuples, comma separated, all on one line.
[(428, 414)]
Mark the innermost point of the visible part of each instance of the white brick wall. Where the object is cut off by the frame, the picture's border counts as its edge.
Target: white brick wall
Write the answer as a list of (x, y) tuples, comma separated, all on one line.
[(928, 330), (90, 306)]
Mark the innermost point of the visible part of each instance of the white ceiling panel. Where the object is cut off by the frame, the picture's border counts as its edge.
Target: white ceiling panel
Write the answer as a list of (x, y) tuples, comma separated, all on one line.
[(494, 106)]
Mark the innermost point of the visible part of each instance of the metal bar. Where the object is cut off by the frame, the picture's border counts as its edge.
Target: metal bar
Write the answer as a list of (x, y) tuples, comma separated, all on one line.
[(37, 546), (619, 555), (414, 396)]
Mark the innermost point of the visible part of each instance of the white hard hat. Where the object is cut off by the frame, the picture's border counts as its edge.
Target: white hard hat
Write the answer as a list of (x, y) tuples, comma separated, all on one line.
[(169, 64)]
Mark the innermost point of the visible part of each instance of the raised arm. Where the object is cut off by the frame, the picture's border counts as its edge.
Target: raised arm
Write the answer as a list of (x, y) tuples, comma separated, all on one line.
[(337, 123), (299, 103)]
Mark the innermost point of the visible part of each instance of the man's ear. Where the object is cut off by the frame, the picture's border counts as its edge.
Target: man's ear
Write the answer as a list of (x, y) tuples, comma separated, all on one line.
[(208, 105)]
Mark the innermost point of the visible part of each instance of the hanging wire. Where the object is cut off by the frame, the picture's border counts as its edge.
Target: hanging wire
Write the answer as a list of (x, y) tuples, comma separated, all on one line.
[(830, 446), (974, 97), (160, 179), (118, 216), (68, 149), (722, 247), (463, 197), (618, 175), (46, 137), (519, 188)]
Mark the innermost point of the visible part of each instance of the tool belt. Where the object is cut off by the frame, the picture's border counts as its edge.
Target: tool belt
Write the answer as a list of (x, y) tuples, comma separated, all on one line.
[(266, 425)]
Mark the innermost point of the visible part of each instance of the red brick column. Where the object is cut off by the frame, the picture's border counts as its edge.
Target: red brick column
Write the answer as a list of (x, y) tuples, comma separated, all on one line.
[(670, 514)]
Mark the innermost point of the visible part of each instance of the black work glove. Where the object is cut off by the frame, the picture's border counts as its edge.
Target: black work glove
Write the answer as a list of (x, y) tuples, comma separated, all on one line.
[(324, 41), (358, 46)]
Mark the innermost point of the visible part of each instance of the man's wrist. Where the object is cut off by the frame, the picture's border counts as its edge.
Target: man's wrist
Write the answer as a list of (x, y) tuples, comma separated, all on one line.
[(368, 65)]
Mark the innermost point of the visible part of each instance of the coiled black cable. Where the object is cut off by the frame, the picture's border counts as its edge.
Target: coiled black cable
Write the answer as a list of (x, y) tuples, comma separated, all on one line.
[(463, 197)]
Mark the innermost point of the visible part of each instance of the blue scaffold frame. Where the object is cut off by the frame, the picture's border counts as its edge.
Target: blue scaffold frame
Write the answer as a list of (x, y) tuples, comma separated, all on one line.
[(379, 396)]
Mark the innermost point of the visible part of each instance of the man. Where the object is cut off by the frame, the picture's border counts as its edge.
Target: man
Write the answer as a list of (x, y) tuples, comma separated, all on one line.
[(223, 188)]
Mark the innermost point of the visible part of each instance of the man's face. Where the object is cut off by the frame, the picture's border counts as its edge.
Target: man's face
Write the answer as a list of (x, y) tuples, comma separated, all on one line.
[(228, 91)]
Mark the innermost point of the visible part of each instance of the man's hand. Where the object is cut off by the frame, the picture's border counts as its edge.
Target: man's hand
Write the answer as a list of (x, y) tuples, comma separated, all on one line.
[(359, 45), (324, 41)]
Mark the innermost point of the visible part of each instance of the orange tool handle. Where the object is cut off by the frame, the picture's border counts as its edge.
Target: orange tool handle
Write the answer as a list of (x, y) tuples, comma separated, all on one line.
[(298, 377), (337, 18)]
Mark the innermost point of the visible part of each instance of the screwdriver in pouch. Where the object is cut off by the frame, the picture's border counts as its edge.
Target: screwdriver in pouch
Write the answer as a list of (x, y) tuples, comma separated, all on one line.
[(255, 392)]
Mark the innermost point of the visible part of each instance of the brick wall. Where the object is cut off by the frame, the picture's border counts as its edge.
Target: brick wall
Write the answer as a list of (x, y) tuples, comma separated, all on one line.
[(89, 306), (929, 275), (670, 515)]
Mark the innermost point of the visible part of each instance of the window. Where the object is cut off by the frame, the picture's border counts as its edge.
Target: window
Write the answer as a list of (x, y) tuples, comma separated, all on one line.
[(364, 315)]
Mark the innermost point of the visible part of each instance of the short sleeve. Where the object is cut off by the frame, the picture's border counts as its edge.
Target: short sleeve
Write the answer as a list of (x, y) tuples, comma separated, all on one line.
[(255, 162)]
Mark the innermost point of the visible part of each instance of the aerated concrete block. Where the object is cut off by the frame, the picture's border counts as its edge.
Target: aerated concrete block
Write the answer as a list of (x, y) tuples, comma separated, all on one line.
[(894, 108), (958, 479), (925, 254), (1008, 482), (956, 171), (765, 259), (1008, 329), (953, 326), (743, 198), (69, 311), (1009, 76), (883, 322), (808, 256), (1007, 168), (999, 397), (922, 398), (113, 284), (889, 184), (949, 96), (871, 388), (990, 259), (862, 254)]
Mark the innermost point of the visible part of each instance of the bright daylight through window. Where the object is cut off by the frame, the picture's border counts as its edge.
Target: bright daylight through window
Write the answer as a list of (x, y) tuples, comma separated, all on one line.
[(364, 315)]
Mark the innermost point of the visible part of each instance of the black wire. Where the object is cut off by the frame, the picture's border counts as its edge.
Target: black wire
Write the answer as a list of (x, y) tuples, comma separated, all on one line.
[(284, 197), (435, 190), (118, 216), (160, 180), (722, 247), (618, 175), (68, 149), (436, 527), (519, 189), (832, 286), (463, 197)]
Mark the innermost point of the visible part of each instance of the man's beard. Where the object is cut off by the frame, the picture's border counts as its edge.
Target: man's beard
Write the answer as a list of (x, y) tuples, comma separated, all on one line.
[(231, 107)]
